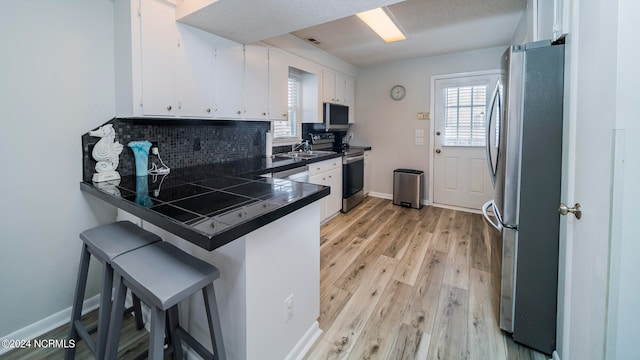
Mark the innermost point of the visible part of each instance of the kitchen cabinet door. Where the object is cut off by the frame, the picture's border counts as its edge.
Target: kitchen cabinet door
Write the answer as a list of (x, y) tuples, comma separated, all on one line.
[(229, 76), (341, 89), (334, 201), (158, 51), (196, 72), (328, 86), (278, 85), (256, 78), (319, 179)]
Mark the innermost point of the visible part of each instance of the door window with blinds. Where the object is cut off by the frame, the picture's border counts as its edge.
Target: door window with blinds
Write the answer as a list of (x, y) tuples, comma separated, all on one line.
[(464, 115), (288, 130)]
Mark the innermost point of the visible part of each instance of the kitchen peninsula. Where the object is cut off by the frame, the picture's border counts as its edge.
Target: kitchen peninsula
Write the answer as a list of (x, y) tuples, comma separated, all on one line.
[(262, 233)]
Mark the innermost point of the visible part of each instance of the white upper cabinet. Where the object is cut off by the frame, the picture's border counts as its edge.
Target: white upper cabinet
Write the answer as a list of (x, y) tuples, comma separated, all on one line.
[(196, 72), (328, 86), (146, 50), (339, 89), (256, 78), (278, 84), (550, 18), (229, 79)]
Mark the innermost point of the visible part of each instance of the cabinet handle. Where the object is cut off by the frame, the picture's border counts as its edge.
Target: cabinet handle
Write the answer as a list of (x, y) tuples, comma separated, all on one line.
[(284, 115), (208, 110), (239, 112), (169, 108), (323, 179), (264, 114)]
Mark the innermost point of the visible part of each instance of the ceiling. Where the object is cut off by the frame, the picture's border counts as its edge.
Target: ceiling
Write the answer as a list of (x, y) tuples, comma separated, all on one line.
[(433, 27)]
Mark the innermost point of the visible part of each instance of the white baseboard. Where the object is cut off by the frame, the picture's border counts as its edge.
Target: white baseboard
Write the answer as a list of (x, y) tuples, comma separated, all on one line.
[(305, 343), (49, 323), (458, 208), (390, 197)]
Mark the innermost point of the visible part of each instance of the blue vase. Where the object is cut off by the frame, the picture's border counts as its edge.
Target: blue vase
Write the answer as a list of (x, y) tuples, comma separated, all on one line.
[(141, 154), (142, 192)]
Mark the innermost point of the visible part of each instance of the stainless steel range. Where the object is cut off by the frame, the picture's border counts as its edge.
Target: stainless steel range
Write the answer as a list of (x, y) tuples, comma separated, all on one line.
[(352, 168)]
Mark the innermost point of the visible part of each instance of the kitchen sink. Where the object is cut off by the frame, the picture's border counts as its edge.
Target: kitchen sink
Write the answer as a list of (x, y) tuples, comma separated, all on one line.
[(306, 154)]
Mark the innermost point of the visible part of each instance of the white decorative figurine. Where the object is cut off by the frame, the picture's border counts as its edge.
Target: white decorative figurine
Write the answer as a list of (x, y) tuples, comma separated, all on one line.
[(107, 153)]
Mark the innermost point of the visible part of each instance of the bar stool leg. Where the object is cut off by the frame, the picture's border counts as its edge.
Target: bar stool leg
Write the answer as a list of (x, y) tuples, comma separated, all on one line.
[(213, 317), (174, 323), (137, 310), (104, 313), (78, 299), (113, 337), (156, 335)]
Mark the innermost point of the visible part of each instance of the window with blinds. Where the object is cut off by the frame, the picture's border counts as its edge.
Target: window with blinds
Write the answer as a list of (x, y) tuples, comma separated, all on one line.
[(465, 116), (289, 129)]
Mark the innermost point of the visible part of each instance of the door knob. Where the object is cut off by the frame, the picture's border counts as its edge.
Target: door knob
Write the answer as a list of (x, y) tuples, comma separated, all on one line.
[(576, 210), (438, 151)]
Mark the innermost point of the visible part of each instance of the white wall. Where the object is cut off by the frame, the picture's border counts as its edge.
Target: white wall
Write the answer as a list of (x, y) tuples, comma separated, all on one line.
[(57, 82), (625, 333), (388, 126)]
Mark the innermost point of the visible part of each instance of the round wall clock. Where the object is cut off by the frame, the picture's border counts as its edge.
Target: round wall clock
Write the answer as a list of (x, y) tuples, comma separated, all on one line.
[(398, 92)]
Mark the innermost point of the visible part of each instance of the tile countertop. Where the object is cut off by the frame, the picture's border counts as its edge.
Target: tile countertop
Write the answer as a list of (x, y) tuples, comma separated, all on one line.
[(212, 205)]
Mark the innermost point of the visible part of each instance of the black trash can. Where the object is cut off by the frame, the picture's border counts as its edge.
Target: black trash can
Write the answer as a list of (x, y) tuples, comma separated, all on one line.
[(407, 187)]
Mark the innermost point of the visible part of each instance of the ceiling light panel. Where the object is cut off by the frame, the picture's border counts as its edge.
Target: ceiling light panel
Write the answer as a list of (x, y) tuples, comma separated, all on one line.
[(380, 22)]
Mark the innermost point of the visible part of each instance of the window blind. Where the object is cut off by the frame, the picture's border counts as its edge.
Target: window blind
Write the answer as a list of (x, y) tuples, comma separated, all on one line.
[(288, 129), (465, 116)]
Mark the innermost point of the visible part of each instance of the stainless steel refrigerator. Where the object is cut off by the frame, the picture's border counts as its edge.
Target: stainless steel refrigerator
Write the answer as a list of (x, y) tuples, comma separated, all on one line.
[(524, 154)]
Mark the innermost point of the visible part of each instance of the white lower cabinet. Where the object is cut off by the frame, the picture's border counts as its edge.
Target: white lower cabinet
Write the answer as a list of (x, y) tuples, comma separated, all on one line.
[(328, 173)]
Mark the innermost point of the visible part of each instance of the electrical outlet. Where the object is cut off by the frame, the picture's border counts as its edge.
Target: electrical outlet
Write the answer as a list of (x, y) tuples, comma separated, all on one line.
[(419, 141), (288, 308), (419, 133)]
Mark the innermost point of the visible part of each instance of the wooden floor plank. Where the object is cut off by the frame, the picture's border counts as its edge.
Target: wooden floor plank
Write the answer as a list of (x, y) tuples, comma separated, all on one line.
[(409, 266), (484, 334), (374, 341), (429, 218), (332, 302), (457, 269), (422, 309), (346, 329), (409, 344), (352, 276), (449, 336), (480, 245), (443, 229), (398, 245)]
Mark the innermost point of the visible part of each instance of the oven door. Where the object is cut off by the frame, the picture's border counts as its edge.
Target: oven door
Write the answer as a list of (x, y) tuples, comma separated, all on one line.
[(352, 175)]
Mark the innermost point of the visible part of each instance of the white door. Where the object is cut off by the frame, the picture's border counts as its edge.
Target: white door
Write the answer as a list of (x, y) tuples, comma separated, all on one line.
[(598, 299), (460, 173)]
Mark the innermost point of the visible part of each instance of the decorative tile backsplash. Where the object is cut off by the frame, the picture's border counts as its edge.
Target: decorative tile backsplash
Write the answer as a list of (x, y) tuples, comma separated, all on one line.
[(183, 142)]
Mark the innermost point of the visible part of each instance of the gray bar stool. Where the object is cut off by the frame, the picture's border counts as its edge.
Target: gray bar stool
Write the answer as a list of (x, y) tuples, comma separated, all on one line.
[(162, 275), (105, 243)]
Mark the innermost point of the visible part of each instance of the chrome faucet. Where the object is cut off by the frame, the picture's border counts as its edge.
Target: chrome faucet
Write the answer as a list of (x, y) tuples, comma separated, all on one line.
[(304, 144)]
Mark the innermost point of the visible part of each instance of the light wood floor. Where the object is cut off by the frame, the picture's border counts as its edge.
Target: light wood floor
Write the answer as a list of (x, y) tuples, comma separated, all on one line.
[(400, 283), (396, 283)]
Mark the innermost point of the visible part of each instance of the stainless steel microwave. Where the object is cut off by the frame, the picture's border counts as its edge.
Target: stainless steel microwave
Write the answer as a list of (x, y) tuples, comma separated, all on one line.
[(336, 117)]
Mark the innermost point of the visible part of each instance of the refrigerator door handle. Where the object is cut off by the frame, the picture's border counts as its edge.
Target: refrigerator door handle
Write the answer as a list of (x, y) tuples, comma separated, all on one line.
[(495, 224), (492, 169)]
